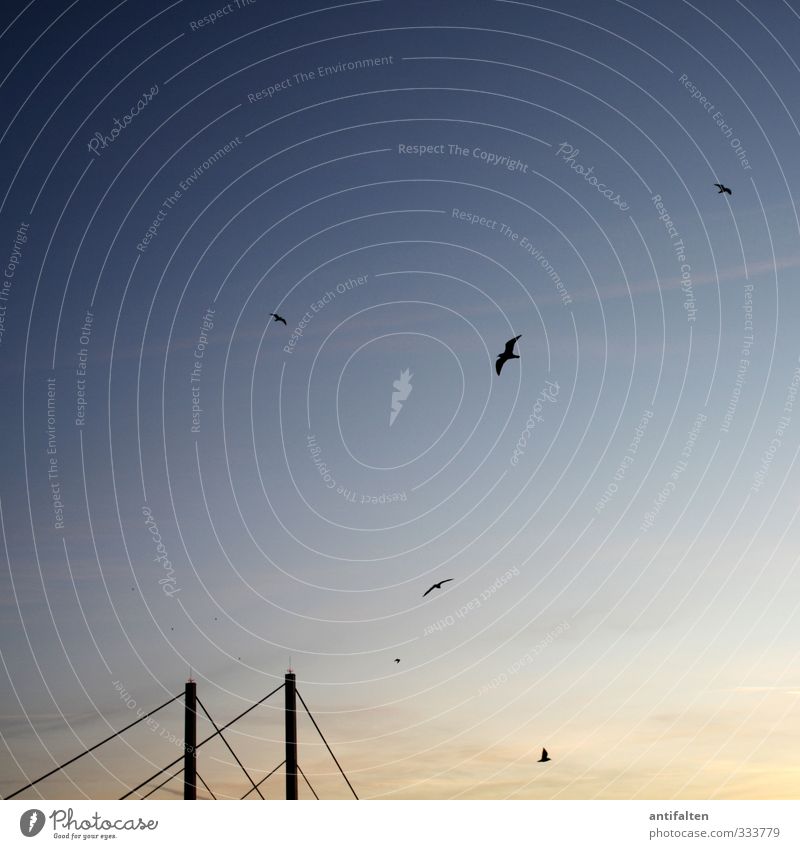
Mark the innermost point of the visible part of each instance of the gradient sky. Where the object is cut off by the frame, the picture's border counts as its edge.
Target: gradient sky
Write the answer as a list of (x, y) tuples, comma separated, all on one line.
[(626, 596)]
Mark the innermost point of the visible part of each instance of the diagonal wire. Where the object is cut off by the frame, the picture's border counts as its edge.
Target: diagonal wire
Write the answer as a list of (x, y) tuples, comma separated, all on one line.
[(159, 786), (326, 743), (308, 783), (271, 772), (96, 746), (175, 775), (222, 736), (206, 786), (210, 737)]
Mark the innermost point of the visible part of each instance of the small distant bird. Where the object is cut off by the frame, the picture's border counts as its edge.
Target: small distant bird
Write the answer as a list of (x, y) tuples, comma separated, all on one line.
[(277, 317), (397, 660), (508, 354), (722, 189), (544, 758), (436, 586)]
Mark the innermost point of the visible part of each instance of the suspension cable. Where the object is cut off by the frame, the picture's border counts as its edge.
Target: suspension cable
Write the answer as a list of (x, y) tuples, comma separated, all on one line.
[(302, 701), (158, 787), (96, 746), (229, 747), (206, 786), (271, 772), (210, 737), (308, 783)]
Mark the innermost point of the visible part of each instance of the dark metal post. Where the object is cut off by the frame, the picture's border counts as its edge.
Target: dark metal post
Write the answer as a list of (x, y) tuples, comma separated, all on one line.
[(190, 742), (291, 736)]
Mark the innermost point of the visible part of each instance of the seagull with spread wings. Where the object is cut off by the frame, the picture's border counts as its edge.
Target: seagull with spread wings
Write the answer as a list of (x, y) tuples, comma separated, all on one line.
[(277, 317), (508, 354), (722, 189), (436, 586)]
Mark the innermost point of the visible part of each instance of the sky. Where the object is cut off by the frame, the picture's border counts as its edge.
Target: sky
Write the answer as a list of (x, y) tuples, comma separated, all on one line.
[(190, 487)]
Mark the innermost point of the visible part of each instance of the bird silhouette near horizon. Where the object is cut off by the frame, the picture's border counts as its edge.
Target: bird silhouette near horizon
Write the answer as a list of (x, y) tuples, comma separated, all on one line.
[(508, 354), (397, 660), (722, 189), (277, 317), (436, 586), (544, 758)]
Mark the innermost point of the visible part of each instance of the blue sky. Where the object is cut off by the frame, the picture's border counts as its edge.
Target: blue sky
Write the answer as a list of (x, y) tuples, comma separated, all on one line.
[(623, 593)]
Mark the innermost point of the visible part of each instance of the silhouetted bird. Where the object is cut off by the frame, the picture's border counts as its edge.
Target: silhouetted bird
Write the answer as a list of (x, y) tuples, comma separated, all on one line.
[(508, 354), (544, 758), (397, 660), (436, 586), (722, 189), (277, 317)]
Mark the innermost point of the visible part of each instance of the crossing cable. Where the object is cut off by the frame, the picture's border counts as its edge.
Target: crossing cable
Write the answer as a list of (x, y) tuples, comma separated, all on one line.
[(308, 783), (96, 746), (271, 772), (175, 775), (302, 701), (159, 786), (203, 742), (229, 747)]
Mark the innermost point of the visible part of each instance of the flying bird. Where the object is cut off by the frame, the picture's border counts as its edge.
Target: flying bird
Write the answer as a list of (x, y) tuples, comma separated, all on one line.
[(397, 660), (436, 586), (277, 317), (508, 354), (722, 189), (544, 758)]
